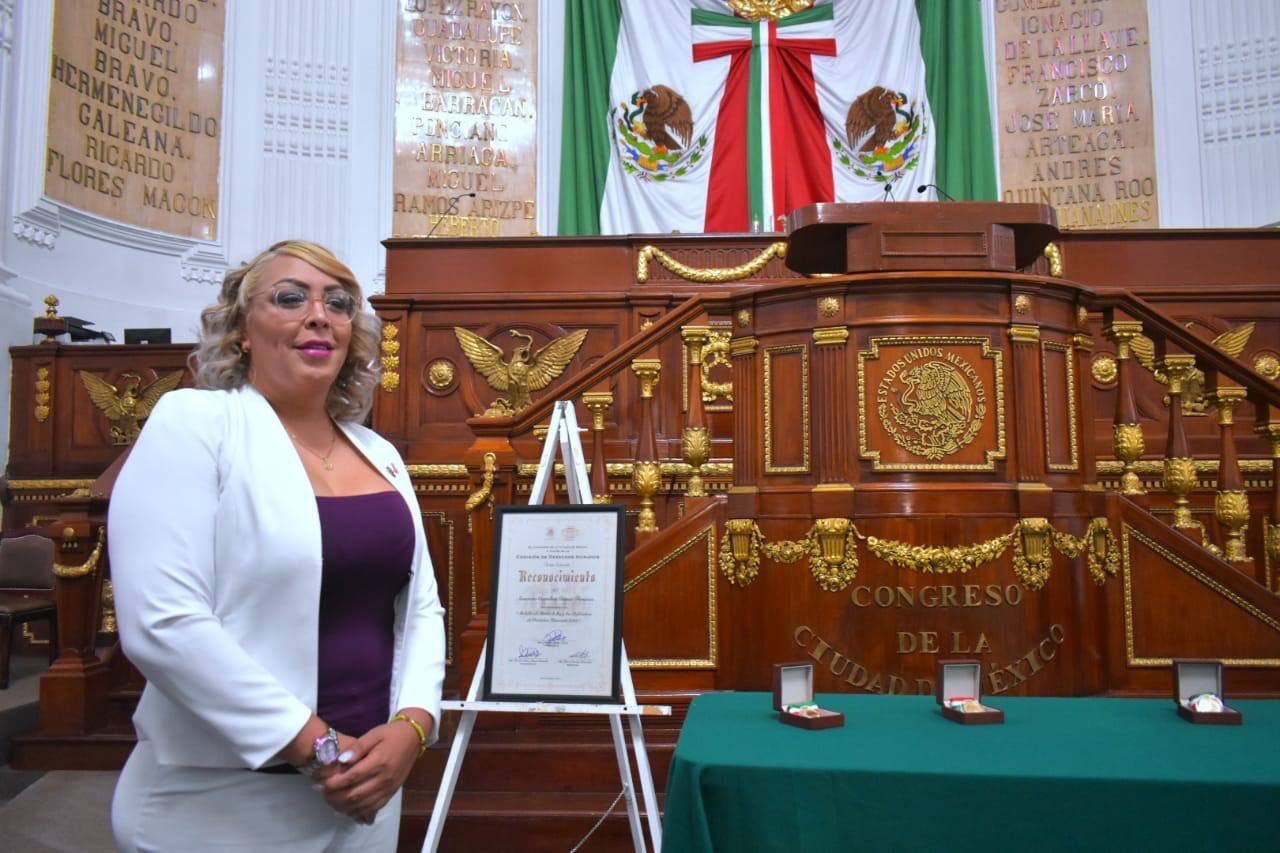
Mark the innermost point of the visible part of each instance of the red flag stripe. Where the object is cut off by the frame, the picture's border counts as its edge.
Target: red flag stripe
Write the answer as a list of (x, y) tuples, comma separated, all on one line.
[(727, 202)]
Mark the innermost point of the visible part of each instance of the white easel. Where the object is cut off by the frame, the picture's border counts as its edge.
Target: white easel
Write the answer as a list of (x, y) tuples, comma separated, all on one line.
[(562, 432)]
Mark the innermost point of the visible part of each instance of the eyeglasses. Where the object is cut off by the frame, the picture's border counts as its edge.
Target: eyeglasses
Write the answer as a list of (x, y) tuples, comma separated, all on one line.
[(294, 302)]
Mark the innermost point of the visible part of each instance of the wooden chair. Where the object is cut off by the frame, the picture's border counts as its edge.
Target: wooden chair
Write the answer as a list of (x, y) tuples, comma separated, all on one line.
[(26, 592)]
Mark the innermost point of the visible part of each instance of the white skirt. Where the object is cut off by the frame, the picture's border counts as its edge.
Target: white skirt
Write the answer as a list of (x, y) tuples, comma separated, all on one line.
[(166, 808)]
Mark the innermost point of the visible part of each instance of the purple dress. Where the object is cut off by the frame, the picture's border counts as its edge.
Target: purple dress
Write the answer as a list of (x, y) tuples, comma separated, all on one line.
[(367, 544)]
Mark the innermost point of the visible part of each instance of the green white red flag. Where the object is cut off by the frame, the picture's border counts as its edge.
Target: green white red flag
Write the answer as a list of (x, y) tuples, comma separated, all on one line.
[(718, 122)]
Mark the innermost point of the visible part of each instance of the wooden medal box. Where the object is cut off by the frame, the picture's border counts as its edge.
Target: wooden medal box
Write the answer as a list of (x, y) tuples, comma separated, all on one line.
[(1193, 677), (793, 685), (962, 679)]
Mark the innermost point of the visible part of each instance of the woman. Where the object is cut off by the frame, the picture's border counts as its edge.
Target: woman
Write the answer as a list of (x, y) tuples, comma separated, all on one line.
[(272, 583)]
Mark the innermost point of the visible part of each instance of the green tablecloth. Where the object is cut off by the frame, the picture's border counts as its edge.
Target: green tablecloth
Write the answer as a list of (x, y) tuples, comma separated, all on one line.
[(1059, 774)]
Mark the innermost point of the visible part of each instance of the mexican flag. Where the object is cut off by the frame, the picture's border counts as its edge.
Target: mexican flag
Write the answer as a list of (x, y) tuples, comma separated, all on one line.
[(710, 116)]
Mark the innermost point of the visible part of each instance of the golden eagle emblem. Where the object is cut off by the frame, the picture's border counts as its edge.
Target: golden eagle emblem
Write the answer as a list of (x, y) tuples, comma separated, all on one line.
[(938, 409), (126, 407), (1232, 342), (937, 394), (520, 374)]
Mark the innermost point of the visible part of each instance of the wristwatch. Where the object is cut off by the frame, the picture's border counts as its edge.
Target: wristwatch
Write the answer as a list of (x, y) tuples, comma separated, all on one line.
[(324, 754)]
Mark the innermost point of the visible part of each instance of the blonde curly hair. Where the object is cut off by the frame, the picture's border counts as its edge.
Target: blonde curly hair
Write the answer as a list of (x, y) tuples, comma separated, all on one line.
[(221, 363)]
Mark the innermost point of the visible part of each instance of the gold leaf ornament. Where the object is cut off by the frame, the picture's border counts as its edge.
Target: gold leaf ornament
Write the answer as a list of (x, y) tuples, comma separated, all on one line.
[(440, 374), (716, 354), (390, 347), (707, 275), (758, 10), (43, 395), (935, 559), (740, 551), (1104, 369), (831, 545), (1267, 364)]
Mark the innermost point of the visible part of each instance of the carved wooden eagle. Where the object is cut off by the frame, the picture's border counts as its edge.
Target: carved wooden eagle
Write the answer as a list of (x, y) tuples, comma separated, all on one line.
[(873, 116), (126, 407), (519, 374), (666, 116)]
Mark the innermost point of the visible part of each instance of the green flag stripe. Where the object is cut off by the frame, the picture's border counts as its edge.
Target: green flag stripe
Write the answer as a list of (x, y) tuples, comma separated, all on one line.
[(755, 151), (956, 80), (591, 44), (716, 19)]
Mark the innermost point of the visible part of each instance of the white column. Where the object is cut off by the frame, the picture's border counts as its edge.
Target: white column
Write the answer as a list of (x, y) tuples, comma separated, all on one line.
[(550, 114), (1175, 100), (306, 179), (1236, 43), (372, 55), (16, 313)]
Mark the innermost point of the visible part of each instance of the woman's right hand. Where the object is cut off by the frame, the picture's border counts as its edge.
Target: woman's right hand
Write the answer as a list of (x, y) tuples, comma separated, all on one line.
[(345, 756)]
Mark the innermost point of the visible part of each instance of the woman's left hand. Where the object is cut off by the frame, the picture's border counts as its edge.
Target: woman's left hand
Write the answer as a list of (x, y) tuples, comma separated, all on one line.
[(379, 764)]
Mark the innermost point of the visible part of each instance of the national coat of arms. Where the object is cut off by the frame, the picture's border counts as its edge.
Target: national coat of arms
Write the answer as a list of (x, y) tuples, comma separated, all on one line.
[(935, 408), (655, 135), (883, 136)]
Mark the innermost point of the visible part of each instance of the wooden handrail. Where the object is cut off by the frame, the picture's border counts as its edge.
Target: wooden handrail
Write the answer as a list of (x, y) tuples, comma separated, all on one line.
[(1209, 357)]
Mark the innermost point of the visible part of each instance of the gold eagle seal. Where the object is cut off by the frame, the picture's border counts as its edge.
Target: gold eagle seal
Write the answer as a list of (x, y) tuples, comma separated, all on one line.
[(127, 406), (521, 373)]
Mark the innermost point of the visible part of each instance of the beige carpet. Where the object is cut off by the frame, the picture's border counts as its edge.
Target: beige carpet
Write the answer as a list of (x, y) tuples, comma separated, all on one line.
[(64, 811)]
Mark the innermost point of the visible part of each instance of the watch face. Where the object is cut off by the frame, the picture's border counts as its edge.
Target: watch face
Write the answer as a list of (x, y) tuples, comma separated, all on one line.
[(327, 750)]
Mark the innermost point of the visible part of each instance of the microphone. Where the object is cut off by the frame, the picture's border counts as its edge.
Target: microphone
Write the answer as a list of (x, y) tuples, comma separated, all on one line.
[(888, 192), (940, 190), (453, 203)]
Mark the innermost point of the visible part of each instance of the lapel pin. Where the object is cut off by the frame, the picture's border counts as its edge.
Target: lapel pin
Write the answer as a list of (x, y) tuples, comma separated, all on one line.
[(393, 470)]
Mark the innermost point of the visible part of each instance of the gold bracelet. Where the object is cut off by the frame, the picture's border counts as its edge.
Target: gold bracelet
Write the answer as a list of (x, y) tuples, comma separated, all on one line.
[(417, 727)]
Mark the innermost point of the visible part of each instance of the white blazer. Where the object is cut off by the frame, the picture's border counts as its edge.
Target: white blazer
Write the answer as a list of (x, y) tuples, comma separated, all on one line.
[(214, 540)]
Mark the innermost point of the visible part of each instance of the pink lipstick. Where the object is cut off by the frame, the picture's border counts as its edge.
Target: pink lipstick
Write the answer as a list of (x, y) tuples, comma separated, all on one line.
[(315, 349)]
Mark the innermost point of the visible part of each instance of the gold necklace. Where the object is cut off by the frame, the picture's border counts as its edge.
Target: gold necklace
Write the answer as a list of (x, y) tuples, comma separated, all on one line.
[(323, 457)]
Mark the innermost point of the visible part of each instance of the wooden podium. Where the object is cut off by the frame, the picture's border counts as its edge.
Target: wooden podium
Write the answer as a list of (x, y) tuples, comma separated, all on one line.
[(915, 416), (830, 239)]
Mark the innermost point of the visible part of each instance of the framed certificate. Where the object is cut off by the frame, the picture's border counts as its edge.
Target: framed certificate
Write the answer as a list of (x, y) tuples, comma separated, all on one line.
[(555, 607)]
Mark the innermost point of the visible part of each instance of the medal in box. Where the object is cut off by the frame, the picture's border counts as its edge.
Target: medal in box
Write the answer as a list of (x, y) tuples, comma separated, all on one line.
[(959, 692), (1197, 690), (793, 698)]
